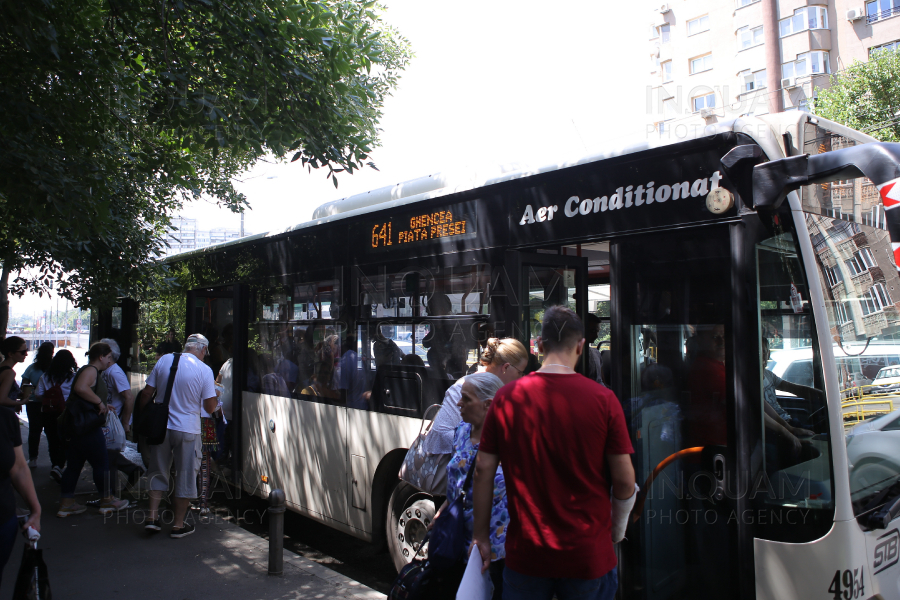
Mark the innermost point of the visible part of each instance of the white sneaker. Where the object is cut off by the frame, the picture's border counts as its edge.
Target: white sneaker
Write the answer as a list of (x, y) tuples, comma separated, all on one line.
[(32, 463)]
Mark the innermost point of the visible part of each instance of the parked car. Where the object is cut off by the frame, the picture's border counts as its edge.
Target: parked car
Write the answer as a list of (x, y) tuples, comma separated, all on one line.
[(886, 381), (873, 451)]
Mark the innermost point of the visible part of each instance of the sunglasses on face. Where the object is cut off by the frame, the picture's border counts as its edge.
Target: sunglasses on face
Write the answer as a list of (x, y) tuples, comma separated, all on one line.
[(521, 372)]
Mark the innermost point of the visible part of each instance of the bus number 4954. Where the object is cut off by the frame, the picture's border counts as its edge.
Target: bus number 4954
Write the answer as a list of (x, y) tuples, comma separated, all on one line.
[(848, 585)]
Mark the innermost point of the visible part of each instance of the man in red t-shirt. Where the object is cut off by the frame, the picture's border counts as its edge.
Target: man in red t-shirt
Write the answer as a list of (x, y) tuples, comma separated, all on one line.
[(558, 435)]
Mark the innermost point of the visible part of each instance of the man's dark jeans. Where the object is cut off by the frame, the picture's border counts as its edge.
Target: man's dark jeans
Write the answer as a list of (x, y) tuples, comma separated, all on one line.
[(517, 586)]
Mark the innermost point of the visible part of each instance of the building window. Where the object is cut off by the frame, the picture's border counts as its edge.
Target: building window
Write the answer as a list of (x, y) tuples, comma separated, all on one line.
[(654, 32), (895, 45), (841, 312), (705, 101), (882, 9), (753, 81), (882, 295), (808, 63), (666, 71), (665, 33), (866, 256), (832, 276), (808, 17), (670, 109), (743, 3), (698, 25), (661, 127), (875, 299), (747, 38), (860, 262), (701, 63)]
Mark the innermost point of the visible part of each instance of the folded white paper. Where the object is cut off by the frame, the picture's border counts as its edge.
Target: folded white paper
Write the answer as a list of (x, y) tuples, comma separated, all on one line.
[(475, 584)]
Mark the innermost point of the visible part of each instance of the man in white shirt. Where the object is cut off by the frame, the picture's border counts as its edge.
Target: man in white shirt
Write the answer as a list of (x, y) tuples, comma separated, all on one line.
[(193, 387)]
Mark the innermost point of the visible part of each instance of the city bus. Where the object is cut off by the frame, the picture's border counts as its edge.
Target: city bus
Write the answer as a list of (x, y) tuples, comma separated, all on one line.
[(699, 255)]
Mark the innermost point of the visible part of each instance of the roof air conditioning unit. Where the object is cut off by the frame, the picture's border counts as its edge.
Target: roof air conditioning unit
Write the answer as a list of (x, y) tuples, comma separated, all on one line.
[(664, 8), (855, 14), (707, 112), (788, 82)]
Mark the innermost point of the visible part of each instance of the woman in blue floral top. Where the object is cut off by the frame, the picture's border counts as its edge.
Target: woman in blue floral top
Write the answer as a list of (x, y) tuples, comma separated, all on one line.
[(477, 393)]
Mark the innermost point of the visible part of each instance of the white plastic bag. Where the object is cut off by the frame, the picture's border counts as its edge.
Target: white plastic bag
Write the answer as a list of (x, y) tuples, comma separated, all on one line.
[(475, 584), (114, 432)]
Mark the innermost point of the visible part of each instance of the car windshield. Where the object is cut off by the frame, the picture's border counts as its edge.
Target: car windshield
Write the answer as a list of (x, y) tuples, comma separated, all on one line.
[(885, 373)]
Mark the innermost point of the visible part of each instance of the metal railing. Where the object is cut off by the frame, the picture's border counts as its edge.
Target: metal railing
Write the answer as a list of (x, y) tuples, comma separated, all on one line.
[(884, 14), (862, 402)]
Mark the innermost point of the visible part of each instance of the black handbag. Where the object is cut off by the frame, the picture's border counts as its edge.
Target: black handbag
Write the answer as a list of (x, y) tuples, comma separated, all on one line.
[(153, 420), (80, 416), (32, 582), (412, 581), (449, 534)]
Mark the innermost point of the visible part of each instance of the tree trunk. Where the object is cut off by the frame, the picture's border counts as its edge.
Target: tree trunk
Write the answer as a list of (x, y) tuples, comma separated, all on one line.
[(4, 299)]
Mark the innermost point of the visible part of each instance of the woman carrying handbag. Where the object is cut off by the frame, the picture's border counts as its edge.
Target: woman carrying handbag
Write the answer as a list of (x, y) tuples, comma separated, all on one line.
[(477, 393), (84, 439)]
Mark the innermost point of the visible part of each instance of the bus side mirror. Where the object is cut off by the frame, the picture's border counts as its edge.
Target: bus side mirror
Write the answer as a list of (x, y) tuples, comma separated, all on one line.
[(772, 181)]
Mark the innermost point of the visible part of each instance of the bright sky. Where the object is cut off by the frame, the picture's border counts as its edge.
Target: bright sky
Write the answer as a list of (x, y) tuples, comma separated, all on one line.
[(493, 82)]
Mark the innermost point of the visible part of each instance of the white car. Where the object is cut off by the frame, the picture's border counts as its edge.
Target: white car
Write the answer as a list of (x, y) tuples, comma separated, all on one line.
[(887, 380), (873, 451)]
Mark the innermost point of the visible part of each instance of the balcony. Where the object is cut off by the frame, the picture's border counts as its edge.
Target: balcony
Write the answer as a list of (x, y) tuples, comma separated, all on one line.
[(884, 14)]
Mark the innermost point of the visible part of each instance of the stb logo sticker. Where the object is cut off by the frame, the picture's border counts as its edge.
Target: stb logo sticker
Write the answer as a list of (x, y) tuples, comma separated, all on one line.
[(887, 552)]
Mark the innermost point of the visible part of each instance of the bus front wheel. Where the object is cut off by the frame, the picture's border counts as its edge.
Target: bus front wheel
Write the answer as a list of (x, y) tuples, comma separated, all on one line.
[(409, 513)]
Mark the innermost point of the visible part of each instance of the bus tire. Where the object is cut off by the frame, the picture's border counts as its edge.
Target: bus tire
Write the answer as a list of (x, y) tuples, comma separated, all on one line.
[(409, 513)]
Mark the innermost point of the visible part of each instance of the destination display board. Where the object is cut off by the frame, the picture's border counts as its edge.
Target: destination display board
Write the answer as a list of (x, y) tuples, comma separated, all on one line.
[(412, 228)]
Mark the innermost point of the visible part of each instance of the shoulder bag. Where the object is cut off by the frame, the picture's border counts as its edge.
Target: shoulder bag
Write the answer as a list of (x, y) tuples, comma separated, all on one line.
[(449, 534), (80, 417), (416, 580), (427, 472), (154, 417)]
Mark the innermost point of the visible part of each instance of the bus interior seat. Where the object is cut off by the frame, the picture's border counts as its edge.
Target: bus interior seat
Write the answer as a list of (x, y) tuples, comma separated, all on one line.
[(406, 389)]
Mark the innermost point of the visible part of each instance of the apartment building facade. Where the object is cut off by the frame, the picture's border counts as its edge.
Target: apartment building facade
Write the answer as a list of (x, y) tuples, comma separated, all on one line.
[(713, 60), (186, 235)]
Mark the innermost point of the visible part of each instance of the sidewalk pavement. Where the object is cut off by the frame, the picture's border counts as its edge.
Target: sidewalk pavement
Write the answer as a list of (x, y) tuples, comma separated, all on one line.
[(92, 556)]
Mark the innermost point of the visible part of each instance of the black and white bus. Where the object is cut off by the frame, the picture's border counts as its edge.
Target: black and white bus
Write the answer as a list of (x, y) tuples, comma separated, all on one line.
[(769, 233)]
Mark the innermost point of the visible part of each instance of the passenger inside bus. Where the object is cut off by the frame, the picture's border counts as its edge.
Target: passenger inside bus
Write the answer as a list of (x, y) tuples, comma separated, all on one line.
[(785, 449), (706, 381), (385, 350), (323, 383)]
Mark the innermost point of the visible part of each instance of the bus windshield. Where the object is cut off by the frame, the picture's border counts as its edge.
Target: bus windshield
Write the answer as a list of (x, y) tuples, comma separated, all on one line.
[(861, 287)]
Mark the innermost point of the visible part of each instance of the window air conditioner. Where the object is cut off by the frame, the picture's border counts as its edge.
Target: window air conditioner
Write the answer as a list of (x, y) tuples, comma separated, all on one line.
[(855, 14), (664, 8), (788, 82), (707, 112)]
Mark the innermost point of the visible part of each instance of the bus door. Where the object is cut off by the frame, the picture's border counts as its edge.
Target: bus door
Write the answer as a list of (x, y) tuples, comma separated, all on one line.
[(212, 312), (671, 367), (120, 323), (542, 281)]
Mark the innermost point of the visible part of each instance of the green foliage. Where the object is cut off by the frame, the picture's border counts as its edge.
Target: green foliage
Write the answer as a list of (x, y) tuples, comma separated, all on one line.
[(866, 96), (117, 112)]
